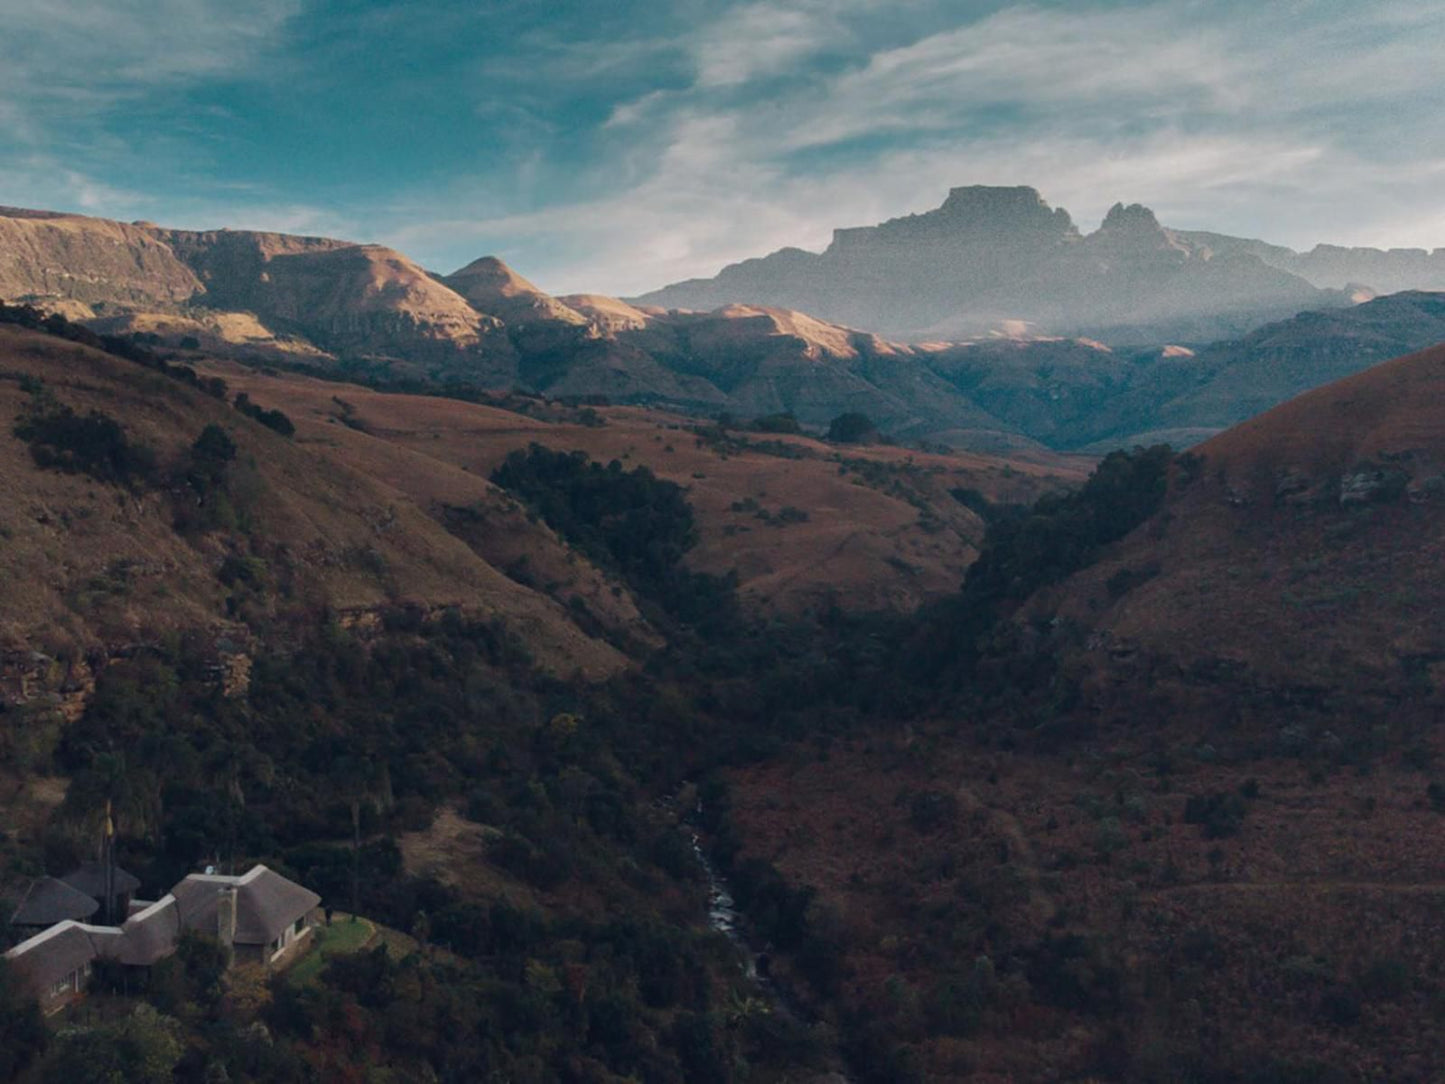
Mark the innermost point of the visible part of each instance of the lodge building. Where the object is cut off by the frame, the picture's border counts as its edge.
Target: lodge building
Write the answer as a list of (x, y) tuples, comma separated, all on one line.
[(261, 917)]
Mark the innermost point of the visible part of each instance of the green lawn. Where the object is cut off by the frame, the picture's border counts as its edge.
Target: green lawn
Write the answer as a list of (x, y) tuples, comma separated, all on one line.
[(345, 934)]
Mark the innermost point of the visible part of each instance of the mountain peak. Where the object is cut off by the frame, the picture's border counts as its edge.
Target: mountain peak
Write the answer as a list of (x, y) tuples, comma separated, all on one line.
[(490, 286), (1002, 207), (1135, 218), (988, 197), (497, 275)]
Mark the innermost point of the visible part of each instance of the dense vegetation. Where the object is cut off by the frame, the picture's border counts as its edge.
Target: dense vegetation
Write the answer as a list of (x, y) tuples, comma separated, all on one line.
[(628, 521), (582, 958), (1023, 550), (93, 444)]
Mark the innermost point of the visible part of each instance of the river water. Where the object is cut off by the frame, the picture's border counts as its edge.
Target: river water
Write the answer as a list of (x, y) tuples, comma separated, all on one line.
[(723, 916)]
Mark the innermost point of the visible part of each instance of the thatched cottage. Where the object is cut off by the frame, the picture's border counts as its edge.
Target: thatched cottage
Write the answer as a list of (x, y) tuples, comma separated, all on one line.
[(262, 917)]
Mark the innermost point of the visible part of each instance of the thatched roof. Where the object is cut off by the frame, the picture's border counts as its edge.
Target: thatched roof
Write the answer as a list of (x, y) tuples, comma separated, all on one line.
[(48, 901), (150, 934), (266, 903), (50, 956), (90, 879)]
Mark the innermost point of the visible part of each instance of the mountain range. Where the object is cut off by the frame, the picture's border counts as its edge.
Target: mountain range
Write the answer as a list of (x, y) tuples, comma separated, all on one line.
[(1000, 257), (1008, 773), (780, 335)]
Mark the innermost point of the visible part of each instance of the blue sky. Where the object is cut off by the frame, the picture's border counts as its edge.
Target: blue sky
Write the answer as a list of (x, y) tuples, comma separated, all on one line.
[(617, 146)]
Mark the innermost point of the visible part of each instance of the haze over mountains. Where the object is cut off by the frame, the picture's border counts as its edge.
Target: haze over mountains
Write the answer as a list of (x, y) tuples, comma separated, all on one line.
[(994, 256), (986, 300)]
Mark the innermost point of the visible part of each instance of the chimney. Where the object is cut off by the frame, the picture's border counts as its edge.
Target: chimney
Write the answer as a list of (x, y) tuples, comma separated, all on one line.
[(226, 916)]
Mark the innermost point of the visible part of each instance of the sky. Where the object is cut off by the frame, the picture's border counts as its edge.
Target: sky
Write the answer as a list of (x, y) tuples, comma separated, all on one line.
[(617, 146)]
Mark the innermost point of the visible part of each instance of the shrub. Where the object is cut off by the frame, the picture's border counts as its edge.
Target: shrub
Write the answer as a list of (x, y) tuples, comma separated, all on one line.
[(271, 419), (852, 428), (777, 423), (1220, 815), (93, 444), (22, 1028)]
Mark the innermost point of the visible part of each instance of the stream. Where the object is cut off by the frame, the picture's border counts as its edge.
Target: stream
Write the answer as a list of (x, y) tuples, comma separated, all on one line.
[(723, 916)]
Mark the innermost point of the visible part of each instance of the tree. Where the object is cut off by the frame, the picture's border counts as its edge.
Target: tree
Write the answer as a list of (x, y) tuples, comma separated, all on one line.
[(211, 455), (143, 1048), (22, 1029), (852, 428)]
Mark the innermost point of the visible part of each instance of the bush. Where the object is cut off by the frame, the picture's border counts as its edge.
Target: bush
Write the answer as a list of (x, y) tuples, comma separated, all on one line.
[(852, 428), (1220, 815), (629, 521), (22, 1029), (777, 423), (93, 444), (271, 419)]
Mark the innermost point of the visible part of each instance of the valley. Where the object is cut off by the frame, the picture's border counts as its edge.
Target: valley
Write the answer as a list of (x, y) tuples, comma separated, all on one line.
[(1017, 756)]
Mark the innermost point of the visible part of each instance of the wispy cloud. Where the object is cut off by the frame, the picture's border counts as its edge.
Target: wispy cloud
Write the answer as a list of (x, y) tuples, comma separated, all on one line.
[(1263, 120), (56, 53), (621, 146)]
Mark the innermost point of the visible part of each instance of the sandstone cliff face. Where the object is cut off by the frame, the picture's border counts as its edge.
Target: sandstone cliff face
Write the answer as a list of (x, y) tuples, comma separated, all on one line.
[(90, 260), (348, 298), (344, 297)]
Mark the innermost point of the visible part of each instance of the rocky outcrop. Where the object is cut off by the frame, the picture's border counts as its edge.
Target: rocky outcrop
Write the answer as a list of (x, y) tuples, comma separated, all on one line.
[(89, 260)]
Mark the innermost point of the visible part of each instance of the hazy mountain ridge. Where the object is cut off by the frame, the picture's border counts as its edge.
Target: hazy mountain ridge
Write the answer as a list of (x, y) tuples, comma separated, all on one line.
[(1339, 266), (989, 256)]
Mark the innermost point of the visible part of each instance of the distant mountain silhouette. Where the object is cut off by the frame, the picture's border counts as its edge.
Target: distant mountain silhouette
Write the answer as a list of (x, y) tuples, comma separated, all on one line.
[(1001, 257)]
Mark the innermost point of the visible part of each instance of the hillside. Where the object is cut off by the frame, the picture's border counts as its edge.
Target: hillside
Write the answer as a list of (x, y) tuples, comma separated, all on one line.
[(1091, 859), (802, 523), (1300, 563), (93, 569), (1079, 394)]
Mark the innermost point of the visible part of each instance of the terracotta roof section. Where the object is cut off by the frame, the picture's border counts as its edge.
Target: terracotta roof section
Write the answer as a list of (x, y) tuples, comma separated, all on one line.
[(266, 903), (90, 879), (48, 901)]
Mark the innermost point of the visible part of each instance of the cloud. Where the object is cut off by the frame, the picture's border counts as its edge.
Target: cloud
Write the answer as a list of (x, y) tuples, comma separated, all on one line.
[(66, 60), (624, 146), (1261, 119)]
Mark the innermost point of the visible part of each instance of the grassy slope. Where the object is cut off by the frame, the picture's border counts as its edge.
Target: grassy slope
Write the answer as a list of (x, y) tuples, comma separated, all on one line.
[(867, 541), (355, 542)]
